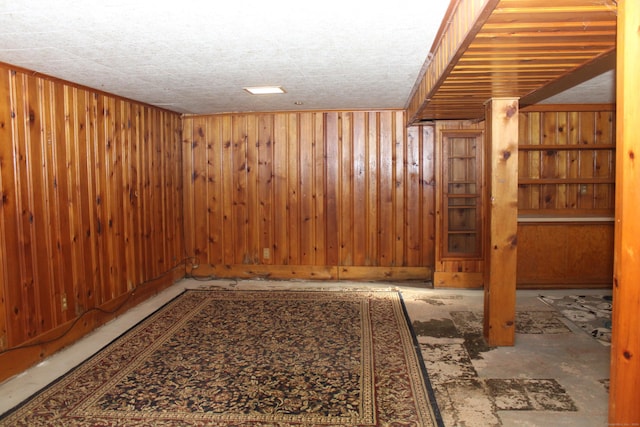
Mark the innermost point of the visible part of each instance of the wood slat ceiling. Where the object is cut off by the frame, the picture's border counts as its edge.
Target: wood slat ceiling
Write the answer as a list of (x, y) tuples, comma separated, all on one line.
[(510, 48)]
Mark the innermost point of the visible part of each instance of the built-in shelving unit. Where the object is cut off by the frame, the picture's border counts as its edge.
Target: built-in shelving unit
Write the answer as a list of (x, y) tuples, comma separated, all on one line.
[(566, 197)]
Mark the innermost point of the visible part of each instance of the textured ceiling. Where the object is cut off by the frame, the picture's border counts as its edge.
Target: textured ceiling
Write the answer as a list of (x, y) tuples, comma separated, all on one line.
[(598, 90), (195, 56)]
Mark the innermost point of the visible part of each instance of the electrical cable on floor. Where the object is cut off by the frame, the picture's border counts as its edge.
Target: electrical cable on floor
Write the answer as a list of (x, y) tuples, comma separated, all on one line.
[(194, 261)]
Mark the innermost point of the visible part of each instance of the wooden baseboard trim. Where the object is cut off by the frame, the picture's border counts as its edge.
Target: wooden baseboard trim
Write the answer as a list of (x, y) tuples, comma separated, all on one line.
[(312, 272)]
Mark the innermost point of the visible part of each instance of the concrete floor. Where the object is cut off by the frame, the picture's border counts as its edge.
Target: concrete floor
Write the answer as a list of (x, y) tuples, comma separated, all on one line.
[(574, 362)]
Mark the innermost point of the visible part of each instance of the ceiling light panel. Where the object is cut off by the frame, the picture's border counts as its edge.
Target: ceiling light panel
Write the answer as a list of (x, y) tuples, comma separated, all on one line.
[(264, 90)]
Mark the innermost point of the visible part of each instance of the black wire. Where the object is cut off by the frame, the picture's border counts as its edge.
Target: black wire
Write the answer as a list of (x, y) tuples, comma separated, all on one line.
[(115, 310)]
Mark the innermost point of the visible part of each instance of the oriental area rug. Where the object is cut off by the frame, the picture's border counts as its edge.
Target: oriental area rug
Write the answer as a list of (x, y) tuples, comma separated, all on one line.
[(250, 358)]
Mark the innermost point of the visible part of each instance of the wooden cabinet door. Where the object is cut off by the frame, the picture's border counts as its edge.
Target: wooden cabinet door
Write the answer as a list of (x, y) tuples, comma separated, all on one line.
[(461, 187)]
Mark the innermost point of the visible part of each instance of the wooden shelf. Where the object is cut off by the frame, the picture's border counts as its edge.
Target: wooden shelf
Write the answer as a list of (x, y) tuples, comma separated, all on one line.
[(563, 219), (552, 147), (461, 195), (552, 181)]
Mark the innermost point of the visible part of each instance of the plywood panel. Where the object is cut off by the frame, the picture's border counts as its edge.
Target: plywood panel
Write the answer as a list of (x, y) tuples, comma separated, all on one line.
[(565, 254)]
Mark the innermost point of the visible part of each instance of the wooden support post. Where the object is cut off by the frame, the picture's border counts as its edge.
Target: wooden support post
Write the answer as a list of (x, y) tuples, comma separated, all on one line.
[(625, 341), (501, 169)]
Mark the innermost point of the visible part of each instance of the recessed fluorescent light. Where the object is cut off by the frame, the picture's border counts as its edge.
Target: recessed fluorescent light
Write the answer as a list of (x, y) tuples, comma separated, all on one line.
[(264, 90)]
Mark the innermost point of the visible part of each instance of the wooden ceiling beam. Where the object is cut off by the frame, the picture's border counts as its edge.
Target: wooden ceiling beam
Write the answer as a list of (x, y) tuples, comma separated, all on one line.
[(596, 67)]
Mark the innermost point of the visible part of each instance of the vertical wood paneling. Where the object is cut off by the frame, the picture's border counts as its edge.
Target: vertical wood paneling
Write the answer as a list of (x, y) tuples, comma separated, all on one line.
[(229, 233), (214, 197), (265, 187), (332, 188), (319, 179), (385, 225), (345, 185), (360, 173), (292, 195), (87, 146), (200, 186), (574, 158), (373, 188), (310, 191), (188, 153), (239, 197), (307, 195), (91, 208), (427, 196), (8, 261), (28, 179), (398, 188), (253, 223), (99, 110), (414, 234), (280, 193), (128, 258)]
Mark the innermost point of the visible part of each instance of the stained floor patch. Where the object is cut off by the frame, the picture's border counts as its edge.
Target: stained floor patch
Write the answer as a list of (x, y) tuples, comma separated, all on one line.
[(540, 322), (466, 399), (476, 345), (530, 395), (445, 362), (438, 328), (527, 322)]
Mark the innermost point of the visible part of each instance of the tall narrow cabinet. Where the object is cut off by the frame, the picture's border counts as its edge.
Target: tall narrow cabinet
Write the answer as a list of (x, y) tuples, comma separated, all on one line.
[(459, 218)]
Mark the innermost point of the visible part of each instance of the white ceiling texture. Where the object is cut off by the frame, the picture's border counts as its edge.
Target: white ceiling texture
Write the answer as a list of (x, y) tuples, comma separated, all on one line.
[(196, 56)]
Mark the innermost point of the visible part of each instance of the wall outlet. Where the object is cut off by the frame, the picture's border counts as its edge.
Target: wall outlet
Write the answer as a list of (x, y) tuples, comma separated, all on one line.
[(63, 302), (584, 189), (266, 253)]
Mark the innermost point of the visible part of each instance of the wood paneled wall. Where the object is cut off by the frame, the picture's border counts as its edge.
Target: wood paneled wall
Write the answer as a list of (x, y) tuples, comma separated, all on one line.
[(91, 210), (346, 195), (565, 255), (567, 161), (566, 173)]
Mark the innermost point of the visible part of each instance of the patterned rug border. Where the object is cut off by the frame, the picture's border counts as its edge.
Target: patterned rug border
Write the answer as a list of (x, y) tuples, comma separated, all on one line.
[(423, 367), (437, 416)]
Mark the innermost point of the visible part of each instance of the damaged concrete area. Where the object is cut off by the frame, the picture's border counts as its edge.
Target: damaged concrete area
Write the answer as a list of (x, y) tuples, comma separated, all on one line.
[(554, 375)]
